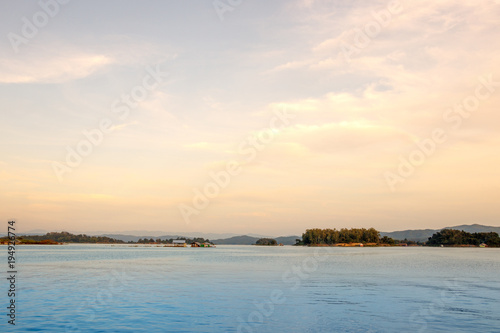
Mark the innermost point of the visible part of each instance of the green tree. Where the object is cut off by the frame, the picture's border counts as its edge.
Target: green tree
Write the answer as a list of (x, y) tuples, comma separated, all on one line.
[(266, 241)]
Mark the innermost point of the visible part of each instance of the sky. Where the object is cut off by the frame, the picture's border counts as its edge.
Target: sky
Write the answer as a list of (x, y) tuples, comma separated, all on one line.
[(239, 116)]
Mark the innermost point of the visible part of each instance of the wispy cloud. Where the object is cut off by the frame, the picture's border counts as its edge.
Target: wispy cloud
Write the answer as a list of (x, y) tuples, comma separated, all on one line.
[(53, 69)]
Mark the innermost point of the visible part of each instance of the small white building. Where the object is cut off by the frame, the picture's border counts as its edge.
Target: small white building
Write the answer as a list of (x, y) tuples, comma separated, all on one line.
[(179, 243)]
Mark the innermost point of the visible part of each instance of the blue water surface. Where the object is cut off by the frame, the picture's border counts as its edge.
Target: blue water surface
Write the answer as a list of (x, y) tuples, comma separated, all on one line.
[(120, 288)]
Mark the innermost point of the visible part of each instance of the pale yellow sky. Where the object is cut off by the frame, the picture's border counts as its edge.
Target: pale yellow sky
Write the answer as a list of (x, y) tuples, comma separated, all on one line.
[(310, 113)]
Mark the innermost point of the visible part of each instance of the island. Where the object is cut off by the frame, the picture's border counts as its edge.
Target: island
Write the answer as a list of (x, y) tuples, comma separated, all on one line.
[(64, 237), (371, 237), (460, 238), (266, 242), (24, 241)]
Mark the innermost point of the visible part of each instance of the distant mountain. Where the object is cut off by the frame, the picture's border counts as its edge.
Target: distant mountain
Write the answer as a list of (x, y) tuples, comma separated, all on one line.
[(158, 234), (236, 240), (127, 238), (476, 228), (288, 240), (249, 240), (423, 235), (32, 232), (413, 235)]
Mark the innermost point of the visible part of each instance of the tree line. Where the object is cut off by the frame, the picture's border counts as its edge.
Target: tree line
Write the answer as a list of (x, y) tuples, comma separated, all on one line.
[(66, 237), (171, 240), (266, 241), (445, 237), (334, 236), (452, 237)]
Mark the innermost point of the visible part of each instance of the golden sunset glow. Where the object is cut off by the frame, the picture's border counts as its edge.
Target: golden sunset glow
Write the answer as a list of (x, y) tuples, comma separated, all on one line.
[(314, 122)]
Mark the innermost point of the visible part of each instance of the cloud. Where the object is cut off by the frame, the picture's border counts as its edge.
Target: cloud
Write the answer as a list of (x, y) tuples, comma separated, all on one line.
[(58, 62), (54, 69), (440, 27), (120, 127), (290, 65), (345, 137)]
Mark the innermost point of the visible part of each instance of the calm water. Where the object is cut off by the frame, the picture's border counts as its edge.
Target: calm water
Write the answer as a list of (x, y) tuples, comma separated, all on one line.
[(98, 288)]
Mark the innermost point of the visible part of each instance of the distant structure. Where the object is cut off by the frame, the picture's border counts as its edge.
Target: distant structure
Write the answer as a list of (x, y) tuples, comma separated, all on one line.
[(179, 243)]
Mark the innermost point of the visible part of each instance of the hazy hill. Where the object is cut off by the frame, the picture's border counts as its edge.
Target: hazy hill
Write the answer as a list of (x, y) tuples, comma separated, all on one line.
[(421, 235), (249, 240), (127, 238), (476, 228), (236, 240), (424, 234), (287, 240)]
